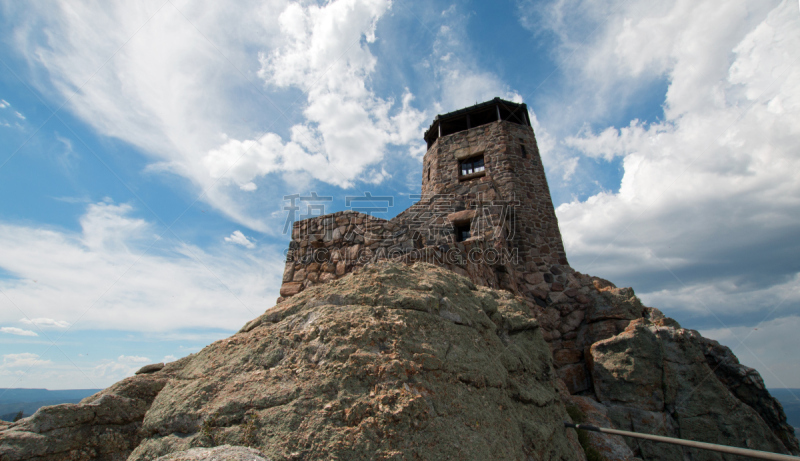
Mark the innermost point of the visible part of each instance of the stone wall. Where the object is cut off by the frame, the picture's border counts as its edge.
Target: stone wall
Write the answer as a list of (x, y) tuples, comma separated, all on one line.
[(515, 243)]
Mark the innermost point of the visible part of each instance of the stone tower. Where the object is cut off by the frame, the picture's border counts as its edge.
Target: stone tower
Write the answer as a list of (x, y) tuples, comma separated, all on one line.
[(487, 154), (485, 212)]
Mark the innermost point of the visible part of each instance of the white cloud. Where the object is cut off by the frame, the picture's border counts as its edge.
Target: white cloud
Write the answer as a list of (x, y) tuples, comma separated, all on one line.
[(169, 358), (728, 298), (714, 180), (347, 127), (145, 74), (132, 359), (112, 276), (17, 331), (705, 220), (45, 323), (23, 360), (31, 371), (4, 104), (240, 239), (177, 86)]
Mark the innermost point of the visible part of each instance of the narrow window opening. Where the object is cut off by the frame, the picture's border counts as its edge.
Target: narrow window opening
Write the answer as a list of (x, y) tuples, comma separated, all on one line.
[(471, 166), (462, 231), (522, 148), (429, 173)]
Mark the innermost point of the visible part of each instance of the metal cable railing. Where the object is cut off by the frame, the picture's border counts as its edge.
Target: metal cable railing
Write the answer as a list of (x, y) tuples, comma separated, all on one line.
[(688, 443)]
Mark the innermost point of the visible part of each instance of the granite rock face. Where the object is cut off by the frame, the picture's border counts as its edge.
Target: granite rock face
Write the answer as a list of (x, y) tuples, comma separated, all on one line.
[(417, 362), (656, 379), (393, 362)]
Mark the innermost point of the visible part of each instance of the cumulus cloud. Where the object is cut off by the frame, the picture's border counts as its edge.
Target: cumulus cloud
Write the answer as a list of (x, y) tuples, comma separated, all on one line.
[(110, 275), (240, 239), (17, 331), (347, 127), (706, 215)]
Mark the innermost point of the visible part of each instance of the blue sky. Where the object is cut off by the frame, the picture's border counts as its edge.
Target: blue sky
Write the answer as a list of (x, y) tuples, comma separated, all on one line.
[(148, 146)]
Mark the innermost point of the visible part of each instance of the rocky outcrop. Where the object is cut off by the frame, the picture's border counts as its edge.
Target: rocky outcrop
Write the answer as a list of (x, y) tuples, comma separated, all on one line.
[(650, 375), (655, 379), (417, 362), (746, 384), (586, 410), (393, 362), (104, 426)]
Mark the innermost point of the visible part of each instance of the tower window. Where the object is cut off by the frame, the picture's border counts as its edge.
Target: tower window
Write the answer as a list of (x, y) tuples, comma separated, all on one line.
[(462, 231), (522, 148), (429, 173), (471, 166)]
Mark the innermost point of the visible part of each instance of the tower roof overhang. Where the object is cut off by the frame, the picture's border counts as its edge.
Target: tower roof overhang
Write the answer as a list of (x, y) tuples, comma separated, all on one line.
[(477, 115)]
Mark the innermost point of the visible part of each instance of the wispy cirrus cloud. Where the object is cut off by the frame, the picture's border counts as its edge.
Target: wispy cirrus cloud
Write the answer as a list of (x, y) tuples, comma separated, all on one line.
[(17, 331), (185, 82), (45, 322)]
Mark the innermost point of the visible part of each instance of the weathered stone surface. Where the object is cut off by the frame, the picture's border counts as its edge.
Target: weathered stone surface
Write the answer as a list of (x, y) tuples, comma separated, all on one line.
[(392, 362), (222, 453), (104, 426), (368, 367), (656, 379), (615, 303), (567, 356), (461, 216), (291, 288), (152, 368), (656, 423), (575, 377), (612, 447), (746, 384), (627, 369)]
